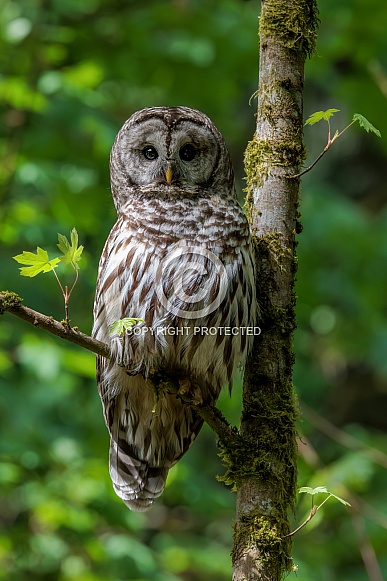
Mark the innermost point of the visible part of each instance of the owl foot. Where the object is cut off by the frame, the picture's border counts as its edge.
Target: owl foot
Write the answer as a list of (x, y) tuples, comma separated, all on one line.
[(185, 386), (190, 392)]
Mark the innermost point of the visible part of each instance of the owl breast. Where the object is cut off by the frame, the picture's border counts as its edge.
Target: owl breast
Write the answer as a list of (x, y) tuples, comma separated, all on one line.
[(173, 267)]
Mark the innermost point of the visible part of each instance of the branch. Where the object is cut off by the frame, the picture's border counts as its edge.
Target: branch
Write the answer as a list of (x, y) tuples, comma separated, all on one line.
[(311, 166), (218, 423), (10, 302), (311, 515)]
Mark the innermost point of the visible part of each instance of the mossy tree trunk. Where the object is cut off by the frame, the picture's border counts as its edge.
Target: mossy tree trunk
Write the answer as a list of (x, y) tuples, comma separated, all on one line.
[(266, 485)]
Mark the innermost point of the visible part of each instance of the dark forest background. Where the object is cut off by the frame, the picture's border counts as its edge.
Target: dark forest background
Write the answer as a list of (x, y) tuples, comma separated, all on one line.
[(71, 73)]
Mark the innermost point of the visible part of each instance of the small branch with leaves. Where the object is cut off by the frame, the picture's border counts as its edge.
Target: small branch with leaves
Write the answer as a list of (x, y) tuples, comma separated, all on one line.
[(315, 508), (325, 116), (35, 264)]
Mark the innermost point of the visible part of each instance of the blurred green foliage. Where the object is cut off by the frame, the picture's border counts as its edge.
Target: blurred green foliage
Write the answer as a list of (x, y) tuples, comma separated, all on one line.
[(71, 73)]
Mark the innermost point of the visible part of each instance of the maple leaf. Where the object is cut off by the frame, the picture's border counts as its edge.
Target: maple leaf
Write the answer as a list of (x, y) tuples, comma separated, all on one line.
[(35, 263), (72, 253)]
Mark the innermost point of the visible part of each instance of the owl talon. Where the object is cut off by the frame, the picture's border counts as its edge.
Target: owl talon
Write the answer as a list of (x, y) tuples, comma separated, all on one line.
[(190, 392), (185, 386), (197, 397)]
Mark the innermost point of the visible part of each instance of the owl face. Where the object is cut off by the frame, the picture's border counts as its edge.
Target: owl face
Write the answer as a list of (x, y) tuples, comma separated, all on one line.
[(167, 151)]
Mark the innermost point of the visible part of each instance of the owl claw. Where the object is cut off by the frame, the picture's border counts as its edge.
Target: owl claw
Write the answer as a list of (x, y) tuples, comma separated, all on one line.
[(185, 386), (191, 392), (197, 398)]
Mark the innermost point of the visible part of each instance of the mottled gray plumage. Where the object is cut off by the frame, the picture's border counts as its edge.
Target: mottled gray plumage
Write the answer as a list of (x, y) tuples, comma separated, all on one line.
[(179, 257)]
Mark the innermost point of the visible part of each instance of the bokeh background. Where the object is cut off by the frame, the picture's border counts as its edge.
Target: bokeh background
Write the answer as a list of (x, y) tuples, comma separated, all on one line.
[(71, 72)]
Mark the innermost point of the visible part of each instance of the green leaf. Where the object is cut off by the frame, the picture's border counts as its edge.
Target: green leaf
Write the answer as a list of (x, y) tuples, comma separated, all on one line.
[(322, 489), (36, 263), (313, 491), (340, 499), (319, 115), (122, 325), (365, 124), (72, 253)]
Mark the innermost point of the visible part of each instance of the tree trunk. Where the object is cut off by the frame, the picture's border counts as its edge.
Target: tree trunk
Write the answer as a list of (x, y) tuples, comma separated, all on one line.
[(266, 486)]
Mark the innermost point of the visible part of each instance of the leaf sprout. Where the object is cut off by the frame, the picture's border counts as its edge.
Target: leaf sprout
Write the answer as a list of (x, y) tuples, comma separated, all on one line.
[(121, 326), (315, 508), (326, 116), (35, 264)]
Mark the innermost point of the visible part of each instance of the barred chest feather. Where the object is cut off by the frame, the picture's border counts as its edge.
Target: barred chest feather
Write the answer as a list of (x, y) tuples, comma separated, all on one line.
[(136, 280)]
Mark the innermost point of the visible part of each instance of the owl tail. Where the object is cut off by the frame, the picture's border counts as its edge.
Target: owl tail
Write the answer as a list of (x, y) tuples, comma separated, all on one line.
[(134, 481), (145, 443)]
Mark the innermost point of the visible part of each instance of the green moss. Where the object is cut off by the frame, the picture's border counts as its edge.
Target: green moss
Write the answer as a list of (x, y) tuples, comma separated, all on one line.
[(262, 155), (257, 530), (269, 453), (267, 457), (271, 246), (256, 163), (282, 318), (293, 24), (8, 300)]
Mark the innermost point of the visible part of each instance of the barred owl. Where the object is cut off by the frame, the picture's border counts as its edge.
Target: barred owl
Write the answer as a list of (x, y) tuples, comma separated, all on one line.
[(179, 257)]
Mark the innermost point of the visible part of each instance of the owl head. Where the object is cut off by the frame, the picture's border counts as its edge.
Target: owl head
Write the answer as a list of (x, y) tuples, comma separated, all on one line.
[(169, 152)]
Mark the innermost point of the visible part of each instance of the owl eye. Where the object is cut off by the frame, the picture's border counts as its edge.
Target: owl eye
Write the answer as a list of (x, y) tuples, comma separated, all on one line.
[(150, 153), (187, 152)]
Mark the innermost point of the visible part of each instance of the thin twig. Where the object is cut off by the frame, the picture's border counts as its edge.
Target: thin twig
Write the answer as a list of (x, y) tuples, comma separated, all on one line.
[(65, 297), (311, 515), (328, 145), (76, 278), (345, 129), (309, 167), (58, 281)]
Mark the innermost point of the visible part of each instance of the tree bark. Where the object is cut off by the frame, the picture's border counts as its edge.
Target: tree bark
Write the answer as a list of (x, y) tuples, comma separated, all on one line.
[(267, 486)]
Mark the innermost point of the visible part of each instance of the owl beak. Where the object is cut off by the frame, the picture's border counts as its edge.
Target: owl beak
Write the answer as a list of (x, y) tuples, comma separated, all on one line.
[(168, 175)]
